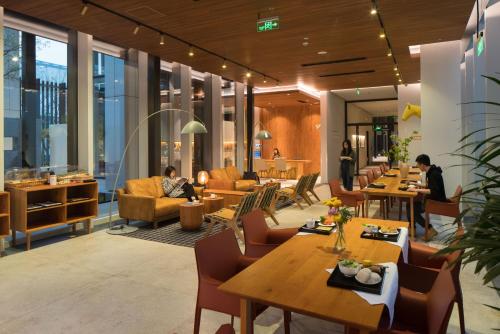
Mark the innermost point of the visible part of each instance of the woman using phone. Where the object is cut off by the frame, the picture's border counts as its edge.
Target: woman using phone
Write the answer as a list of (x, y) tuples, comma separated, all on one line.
[(180, 188), (347, 162)]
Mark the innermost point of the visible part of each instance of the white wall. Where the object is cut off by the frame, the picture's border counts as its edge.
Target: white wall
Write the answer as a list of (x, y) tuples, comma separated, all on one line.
[(441, 113), (332, 108), (410, 94), (492, 68)]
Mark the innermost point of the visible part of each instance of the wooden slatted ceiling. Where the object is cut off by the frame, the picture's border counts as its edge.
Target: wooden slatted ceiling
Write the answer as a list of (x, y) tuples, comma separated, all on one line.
[(343, 28), (284, 99)]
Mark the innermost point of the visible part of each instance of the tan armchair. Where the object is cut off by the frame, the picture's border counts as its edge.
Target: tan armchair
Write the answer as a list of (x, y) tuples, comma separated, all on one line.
[(229, 178), (144, 199)]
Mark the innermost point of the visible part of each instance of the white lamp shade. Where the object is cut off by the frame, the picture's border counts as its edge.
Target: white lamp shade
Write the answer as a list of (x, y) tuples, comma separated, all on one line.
[(194, 127)]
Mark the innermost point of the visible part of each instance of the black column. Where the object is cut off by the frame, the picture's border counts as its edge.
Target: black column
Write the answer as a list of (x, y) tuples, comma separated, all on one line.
[(72, 98), (250, 123), (154, 123)]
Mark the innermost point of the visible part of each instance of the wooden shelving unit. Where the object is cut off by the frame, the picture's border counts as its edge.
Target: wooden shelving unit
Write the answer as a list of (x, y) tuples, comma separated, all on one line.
[(4, 218), (78, 203)]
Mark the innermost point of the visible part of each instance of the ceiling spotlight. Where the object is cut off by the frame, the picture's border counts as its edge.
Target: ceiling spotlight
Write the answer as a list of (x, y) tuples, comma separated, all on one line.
[(322, 52), (397, 74), (381, 34), (136, 29), (162, 39), (400, 81), (15, 59), (191, 52), (248, 74), (373, 11), (84, 10), (224, 66), (265, 80), (389, 53), (395, 68)]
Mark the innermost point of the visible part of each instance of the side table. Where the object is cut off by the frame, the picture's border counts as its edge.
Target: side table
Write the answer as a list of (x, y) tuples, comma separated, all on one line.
[(213, 204), (191, 215)]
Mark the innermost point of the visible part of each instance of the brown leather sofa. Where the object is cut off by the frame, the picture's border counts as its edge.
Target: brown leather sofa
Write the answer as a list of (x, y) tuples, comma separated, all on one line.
[(229, 178), (144, 199)]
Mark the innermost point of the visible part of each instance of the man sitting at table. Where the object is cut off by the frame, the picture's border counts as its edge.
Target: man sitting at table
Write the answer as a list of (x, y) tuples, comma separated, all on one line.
[(434, 190)]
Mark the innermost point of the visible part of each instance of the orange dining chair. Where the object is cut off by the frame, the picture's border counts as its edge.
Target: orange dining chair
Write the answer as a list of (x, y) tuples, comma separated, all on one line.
[(381, 168), (225, 329), (376, 173), (386, 167), (218, 258), (424, 312), (353, 199), (451, 208), (259, 238), (423, 256), (382, 199)]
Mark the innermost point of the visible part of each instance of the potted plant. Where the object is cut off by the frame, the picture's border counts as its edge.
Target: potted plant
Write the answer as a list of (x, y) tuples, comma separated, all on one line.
[(399, 152)]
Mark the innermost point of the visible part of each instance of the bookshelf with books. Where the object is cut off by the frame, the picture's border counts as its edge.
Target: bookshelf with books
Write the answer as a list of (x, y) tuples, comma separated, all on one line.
[(42, 207)]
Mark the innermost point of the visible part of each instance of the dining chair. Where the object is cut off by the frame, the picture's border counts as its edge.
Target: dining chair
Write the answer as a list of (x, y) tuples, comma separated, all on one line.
[(423, 256), (267, 200), (225, 329), (280, 167), (312, 184), (382, 199), (260, 167), (424, 312), (381, 168), (451, 208), (295, 193), (230, 217), (376, 173), (363, 181), (219, 258), (386, 167), (353, 199), (370, 176), (259, 238)]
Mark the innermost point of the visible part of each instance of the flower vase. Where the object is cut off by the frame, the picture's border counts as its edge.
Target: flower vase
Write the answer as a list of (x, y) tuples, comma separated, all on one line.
[(404, 170), (340, 242)]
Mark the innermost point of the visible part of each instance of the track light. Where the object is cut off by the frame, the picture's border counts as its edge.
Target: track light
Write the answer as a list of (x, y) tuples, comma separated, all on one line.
[(162, 39), (389, 53), (381, 34), (191, 52), (136, 29), (84, 10), (265, 80), (224, 66), (395, 68), (400, 81), (373, 11), (249, 74), (397, 74)]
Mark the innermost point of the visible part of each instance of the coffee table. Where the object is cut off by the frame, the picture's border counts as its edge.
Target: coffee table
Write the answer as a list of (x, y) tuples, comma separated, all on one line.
[(213, 204), (191, 216), (231, 197)]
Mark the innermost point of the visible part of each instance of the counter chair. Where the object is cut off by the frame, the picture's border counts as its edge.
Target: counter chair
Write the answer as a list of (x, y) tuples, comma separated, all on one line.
[(267, 200), (353, 199), (260, 167), (364, 180), (451, 208), (295, 193), (259, 238), (280, 168), (312, 184), (230, 217)]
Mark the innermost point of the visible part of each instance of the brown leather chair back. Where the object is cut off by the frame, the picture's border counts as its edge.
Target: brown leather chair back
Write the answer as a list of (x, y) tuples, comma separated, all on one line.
[(376, 173), (370, 176), (255, 227), (440, 302), (363, 181), (457, 195), (381, 168), (335, 188)]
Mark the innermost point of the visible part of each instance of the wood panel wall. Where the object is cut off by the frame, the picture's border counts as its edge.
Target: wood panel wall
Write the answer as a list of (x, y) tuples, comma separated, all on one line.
[(295, 133)]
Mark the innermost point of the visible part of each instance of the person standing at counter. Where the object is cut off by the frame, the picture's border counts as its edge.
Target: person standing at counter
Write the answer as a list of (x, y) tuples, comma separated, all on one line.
[(276, 153), (347, 162)]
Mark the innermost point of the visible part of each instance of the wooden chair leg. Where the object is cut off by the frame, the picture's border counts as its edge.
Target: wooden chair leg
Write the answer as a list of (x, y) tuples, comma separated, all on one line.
[(209, 227), (234, 226), (306, 197), (460, 303), (363, 209), (315, 195), (287, 318), (197, 318), (272, 216), (400, 210), (296, 200), (14, 238)]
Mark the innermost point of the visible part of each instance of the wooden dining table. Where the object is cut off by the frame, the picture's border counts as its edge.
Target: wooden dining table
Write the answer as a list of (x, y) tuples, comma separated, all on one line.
[(293, 277), (391, 189)]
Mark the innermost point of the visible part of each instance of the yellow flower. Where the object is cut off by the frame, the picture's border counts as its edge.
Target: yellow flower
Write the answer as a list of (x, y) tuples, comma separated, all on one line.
[(337, 203), (337, 218)]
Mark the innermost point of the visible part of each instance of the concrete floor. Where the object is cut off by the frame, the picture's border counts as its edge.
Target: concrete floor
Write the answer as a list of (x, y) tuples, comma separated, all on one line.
[(100, 283)]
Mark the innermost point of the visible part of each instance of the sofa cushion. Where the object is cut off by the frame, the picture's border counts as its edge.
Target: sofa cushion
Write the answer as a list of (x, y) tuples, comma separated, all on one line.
[(233, 173), (141, 187), (166, 206), (244, 185), (219, 174), (158, 180)]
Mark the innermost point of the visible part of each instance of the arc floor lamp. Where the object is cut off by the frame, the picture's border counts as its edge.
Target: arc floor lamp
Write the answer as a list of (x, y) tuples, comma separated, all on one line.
[(192, 127)]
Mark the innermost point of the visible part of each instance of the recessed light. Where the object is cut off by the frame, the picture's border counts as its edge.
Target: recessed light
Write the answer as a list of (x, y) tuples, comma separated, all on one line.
[(305, 43), (306, 38), (414, 49), (322, 52), (15, 58)]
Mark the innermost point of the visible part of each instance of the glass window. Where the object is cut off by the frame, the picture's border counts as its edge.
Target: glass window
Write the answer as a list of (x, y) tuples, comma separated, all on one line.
[(198, 99), (109, 122), (35, 102), (229, 123), (165, 95)]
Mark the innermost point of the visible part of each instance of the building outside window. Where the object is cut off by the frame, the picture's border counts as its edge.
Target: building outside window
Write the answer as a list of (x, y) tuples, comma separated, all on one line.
[(198, 99), (35, 102), (109, 121), (229, 123)]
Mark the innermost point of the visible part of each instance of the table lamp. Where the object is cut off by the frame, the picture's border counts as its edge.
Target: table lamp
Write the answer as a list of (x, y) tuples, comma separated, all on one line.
[(202, 177)]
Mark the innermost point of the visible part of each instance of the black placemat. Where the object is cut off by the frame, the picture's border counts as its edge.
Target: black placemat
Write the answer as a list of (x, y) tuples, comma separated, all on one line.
[(414, 173), (381, 236), (403, 188), (304, 228), (339, 280), (371, 185), (390, 175)]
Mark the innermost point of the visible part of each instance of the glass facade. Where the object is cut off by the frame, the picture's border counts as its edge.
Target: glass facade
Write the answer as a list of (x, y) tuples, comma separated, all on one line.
[(229, 123), (198, 103), (109, 121), (166, 92), (35, 102)]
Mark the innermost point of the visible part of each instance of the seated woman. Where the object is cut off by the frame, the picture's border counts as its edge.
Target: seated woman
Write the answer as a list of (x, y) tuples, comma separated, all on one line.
[(177, 188)]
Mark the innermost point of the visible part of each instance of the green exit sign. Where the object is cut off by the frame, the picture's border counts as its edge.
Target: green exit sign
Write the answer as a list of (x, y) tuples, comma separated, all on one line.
[(268, 24)]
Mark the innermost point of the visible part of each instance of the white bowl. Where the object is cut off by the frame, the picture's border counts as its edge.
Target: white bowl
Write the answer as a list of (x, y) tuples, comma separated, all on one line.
[(366, 276), (350, 271), (370, 228)]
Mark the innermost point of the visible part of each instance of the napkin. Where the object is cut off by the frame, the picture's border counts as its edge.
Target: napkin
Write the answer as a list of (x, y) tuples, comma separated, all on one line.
[(402, 242), (305, 233), (389, 289)]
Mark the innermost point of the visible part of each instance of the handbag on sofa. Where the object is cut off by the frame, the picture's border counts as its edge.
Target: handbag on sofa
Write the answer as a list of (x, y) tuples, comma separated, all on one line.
[(251, 176)]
